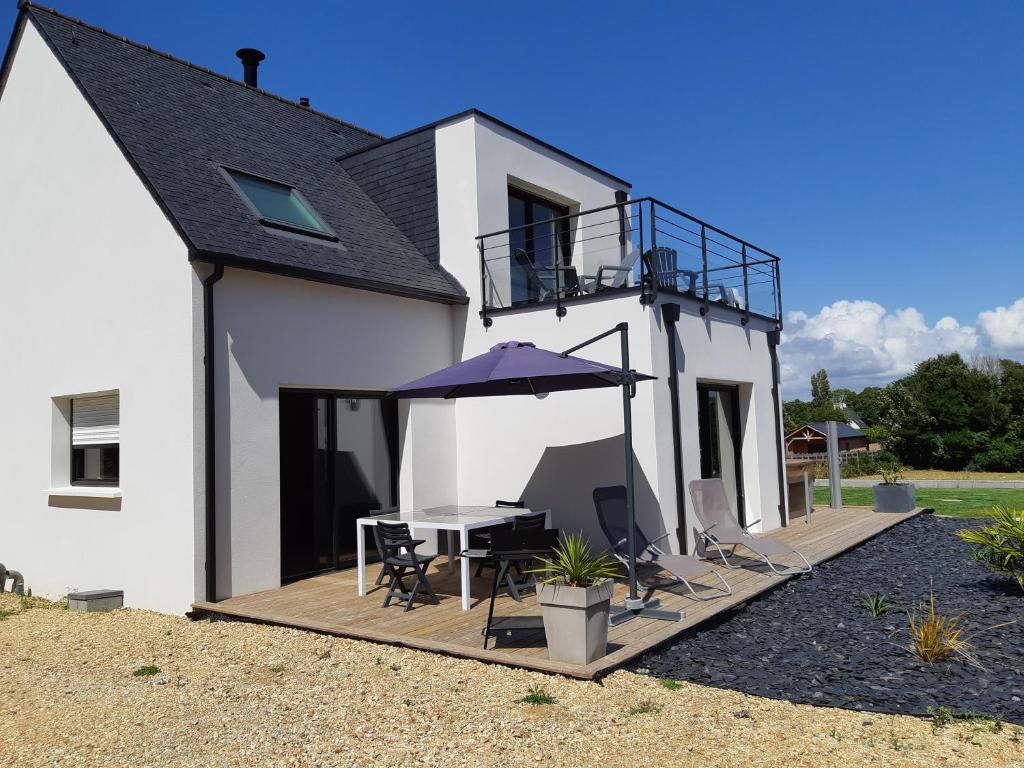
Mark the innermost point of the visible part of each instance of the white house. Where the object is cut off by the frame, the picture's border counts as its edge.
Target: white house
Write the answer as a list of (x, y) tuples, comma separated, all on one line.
[(208, 289)]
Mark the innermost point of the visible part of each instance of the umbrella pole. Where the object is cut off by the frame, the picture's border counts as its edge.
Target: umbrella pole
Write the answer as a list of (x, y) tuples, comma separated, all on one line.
[(634, 606)]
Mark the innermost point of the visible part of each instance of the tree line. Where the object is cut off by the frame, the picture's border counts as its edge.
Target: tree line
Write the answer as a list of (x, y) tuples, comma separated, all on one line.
[(947, 414)]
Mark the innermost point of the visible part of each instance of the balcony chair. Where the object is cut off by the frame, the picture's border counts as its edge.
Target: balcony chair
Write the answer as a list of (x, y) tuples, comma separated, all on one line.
[(400, 557), (618, 274), (543, 283), (726, 295), (719, 529), (665, 262), (612, 514)]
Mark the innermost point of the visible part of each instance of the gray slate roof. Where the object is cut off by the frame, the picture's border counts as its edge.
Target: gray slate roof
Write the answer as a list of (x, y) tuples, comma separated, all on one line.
[(180, 123)]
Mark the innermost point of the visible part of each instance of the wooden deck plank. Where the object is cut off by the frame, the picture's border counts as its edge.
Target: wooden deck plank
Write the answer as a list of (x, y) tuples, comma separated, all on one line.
[(329, 603)]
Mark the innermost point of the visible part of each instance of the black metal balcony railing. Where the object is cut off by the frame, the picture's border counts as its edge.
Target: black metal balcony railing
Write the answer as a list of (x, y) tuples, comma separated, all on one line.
[(641, 245)]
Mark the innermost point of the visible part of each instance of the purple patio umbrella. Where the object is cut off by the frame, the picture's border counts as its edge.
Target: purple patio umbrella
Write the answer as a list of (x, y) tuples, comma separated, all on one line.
[(515, 368), (520, 368)]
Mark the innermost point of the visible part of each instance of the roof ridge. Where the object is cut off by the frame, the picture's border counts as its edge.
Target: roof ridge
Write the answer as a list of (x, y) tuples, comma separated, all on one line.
[(26, 4)]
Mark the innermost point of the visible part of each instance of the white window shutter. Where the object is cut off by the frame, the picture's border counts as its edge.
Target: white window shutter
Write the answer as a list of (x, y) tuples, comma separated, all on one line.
[(95, 420)]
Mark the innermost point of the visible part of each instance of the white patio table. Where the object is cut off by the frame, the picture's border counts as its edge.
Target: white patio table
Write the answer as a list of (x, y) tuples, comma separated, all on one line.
[(452, 518)]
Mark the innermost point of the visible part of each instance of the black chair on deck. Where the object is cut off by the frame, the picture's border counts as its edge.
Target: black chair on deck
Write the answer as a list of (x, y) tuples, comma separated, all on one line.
[(399, 554), (376, 539), (481, 539), (513, 546)]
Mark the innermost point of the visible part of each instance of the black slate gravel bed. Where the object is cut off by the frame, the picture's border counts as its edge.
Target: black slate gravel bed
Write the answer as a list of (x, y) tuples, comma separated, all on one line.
[(811, 641)]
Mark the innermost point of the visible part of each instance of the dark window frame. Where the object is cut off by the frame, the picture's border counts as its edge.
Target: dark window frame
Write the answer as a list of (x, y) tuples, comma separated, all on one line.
[(325, 233), (392, 428), (112, 483), (530, 199), (703, 387)]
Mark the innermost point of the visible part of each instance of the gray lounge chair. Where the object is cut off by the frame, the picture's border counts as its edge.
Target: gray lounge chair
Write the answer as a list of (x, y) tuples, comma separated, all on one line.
[(719, 529), (616, 275), (610, 503)]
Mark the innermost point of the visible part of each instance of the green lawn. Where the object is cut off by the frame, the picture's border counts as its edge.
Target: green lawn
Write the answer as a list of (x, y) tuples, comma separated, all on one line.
[(957, 502)]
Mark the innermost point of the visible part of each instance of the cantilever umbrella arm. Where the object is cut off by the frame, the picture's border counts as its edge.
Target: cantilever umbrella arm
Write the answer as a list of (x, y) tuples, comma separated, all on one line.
[(634, 605)]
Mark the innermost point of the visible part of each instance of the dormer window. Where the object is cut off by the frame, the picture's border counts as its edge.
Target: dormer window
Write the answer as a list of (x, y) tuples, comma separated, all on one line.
[(279, 205)]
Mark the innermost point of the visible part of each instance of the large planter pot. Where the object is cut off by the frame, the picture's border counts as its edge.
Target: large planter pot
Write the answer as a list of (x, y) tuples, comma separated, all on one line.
[(575, 621), (897, 497)]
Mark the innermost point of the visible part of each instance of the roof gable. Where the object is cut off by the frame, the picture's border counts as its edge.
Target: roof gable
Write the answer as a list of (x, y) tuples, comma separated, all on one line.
[(180, 124)]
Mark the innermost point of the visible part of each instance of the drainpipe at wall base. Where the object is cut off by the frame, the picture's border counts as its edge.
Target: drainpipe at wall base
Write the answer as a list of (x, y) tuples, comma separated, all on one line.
[(210, 434), (774, 338), (670, 314)]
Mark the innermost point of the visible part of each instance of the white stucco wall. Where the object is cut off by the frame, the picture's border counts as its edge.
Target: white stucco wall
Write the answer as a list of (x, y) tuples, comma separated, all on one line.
[(276, 332), (554, 452), (97, 295), (718, 349)]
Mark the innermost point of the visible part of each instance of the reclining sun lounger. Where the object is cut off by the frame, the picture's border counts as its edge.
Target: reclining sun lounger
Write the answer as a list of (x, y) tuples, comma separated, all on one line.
[(711, 507), (610, 503)]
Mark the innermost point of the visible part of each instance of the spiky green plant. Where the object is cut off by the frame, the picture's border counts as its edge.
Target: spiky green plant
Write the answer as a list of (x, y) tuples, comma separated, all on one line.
[(574, 565), (877, 605), (1000, 542)]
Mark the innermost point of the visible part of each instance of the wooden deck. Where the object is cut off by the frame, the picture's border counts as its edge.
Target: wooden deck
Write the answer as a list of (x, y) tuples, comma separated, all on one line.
[(329, 603)]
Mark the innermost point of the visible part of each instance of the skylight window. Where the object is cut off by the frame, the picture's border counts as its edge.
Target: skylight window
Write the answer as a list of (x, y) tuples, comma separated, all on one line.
[(279, 205)]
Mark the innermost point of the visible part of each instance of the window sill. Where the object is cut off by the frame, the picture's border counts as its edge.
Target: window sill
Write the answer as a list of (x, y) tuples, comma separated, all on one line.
[(85, 491)]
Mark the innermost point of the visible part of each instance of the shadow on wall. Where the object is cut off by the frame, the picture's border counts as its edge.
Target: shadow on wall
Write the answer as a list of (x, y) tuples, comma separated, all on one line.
[(566, 476)]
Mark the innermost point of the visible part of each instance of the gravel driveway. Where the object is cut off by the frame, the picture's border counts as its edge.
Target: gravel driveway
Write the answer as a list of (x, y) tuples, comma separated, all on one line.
[(233, 694)]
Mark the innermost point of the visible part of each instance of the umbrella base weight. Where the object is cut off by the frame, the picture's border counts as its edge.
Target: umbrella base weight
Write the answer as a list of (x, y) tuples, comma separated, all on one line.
[(641, 609)]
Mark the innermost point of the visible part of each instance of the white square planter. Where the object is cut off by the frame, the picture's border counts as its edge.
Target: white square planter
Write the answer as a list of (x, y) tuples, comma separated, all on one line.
[(576, 621)]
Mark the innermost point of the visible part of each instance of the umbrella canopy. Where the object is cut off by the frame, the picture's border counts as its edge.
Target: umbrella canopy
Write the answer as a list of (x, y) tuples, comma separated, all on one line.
[(515, 368)]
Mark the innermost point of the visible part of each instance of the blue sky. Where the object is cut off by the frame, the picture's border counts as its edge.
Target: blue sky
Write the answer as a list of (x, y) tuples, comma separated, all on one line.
[(874, 146)]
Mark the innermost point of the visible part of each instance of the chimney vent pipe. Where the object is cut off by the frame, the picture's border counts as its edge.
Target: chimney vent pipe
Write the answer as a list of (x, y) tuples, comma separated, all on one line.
[(251, 59)]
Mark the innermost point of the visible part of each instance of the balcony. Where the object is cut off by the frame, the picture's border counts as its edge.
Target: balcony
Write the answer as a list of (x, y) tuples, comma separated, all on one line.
[(641, 246)]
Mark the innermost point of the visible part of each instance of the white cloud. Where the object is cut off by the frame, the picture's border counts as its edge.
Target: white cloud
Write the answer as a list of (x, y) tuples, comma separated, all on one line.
[(860, 343), (1004, 327)]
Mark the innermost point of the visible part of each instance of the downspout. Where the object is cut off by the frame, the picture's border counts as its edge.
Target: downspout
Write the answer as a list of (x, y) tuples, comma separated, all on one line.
[(670, 314), (774, 337), (210, 430)]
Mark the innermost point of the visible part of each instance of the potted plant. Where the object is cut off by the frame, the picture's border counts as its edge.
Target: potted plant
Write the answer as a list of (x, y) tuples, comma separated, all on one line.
[(892, 494), (575, 595)]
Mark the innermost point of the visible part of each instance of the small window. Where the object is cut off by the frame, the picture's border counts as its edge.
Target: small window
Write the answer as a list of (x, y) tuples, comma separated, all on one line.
[(95, 440), (279, 205)]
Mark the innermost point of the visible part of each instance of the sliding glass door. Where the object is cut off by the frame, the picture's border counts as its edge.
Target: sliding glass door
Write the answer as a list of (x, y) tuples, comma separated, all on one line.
[(541, 244), (339, 457), (718, 417)]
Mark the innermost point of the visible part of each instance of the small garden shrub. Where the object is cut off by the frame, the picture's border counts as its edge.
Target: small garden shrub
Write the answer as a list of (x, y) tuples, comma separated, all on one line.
[(935, 637), (147, 671), (877, 605), (537, 695), (1000, 543), (669, 684)]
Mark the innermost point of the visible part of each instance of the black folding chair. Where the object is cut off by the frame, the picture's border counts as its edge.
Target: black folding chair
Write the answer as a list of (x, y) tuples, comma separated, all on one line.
[(507, 547), (392, 539), (482, 539), (376, 539)]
